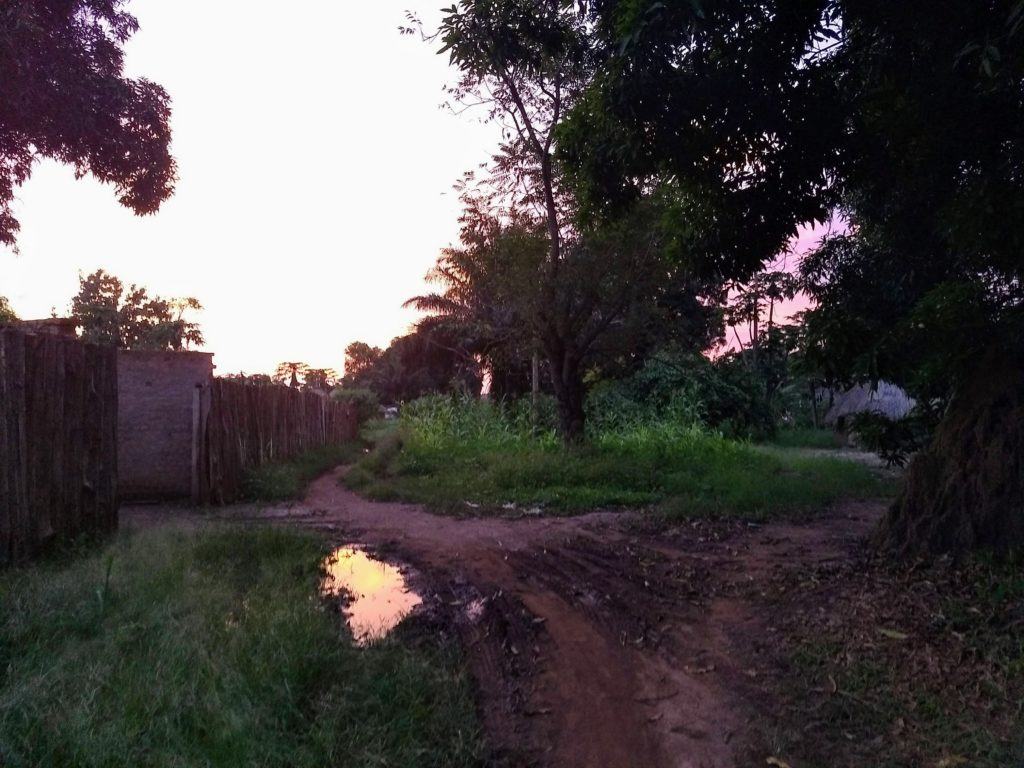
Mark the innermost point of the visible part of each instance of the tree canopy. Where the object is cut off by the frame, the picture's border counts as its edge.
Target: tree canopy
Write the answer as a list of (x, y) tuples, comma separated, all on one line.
[(64, 96), (901, 121), (108, 312), (7, 313), (529, 270), (430, 359)]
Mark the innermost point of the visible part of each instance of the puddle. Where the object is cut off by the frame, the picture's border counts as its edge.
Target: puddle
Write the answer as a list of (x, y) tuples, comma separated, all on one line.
[(379, 596)]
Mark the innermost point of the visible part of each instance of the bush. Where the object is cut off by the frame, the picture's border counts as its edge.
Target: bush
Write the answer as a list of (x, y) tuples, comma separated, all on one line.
[(892, 439), (722, 395), (440, 420), (460, 455), (287, 480), (366, 403)]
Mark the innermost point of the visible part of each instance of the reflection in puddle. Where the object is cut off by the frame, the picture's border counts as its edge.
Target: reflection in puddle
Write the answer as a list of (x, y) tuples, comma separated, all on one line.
[(379, 595)]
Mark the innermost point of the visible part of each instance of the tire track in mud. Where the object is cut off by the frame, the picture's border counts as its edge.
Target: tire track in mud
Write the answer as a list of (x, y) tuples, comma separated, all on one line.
[(597, 641)]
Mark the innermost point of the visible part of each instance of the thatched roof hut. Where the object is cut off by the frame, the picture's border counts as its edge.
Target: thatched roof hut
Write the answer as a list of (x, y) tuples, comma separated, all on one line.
[(885, 398)]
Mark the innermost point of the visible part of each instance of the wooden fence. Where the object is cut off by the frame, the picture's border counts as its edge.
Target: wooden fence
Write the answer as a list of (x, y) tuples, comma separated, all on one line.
[(58, 441), (241, 426)]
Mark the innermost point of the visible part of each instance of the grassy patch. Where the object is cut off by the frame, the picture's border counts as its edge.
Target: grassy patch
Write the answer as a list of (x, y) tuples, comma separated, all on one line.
[(922, 669), (210, 648), (806, 437), (286, 480), (468, 465)]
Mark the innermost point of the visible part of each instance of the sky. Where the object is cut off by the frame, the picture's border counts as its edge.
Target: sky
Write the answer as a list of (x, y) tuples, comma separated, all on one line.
[(316, 170)]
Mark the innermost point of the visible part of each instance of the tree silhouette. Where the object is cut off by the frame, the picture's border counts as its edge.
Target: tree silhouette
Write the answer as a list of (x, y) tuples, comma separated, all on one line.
[(904, 118), (7, 313), (323, 379), (290, 373), (129, 318), (64, 96)]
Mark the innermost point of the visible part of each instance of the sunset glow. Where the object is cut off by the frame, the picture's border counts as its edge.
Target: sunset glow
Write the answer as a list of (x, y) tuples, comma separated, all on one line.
[(315, 181)]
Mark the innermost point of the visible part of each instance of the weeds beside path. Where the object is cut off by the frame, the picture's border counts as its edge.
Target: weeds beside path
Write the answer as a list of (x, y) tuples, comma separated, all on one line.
[(288, 480), (192, 646), (678, 472), (616, 639)]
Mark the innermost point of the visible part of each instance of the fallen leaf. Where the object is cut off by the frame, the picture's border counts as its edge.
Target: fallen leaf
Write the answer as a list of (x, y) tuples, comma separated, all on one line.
[(892, 634), (699, 670), (777, 763)]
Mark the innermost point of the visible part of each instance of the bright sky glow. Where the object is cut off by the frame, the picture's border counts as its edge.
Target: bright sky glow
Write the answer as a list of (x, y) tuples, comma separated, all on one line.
[(315, 190)]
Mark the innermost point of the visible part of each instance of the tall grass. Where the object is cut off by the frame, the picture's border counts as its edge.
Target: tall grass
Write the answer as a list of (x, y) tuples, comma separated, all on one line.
[(286, 480), (211, 648), (468, 455)]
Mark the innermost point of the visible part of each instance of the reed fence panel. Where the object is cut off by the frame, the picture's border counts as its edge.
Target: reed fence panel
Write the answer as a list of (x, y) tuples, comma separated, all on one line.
[(58, 441)]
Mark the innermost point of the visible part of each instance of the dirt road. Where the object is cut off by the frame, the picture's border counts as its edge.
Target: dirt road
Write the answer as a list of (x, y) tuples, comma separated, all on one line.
[(599, 641)]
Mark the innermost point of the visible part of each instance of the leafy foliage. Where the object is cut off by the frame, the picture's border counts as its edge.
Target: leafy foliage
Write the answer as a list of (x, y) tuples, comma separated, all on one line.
[(365, 401), (7, 313), (903, 116), (575, 294), (64, 96), (430, 359), (905, 121), (469, 457), (288, 480), (322, 379), (108, 312), (892, 439), (289, 373)]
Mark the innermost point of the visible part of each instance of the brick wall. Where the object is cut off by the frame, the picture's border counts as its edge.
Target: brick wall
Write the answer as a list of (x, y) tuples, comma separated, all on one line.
[(157, 392)]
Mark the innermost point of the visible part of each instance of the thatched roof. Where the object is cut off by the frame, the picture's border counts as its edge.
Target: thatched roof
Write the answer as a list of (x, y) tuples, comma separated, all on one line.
[(886, 398)]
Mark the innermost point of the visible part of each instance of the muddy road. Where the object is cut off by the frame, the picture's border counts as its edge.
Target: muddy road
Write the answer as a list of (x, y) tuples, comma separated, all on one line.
[(599, 641)]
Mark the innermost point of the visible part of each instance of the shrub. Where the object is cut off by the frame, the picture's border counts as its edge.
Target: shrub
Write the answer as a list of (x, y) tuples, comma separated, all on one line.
[(285, 480), (461, 455), (892, 439), (366, 403)]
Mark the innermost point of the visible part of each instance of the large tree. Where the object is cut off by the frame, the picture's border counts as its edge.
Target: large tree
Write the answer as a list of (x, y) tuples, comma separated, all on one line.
[(906, 119), (360, 358), (64, 96), (109, 312), (320, 379), (428, 360), (290, 373), (528, 62), (618, 294), (481, 285)]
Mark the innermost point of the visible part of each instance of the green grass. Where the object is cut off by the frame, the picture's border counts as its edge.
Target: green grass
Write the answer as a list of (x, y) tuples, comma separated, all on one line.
[(211, 648), (464, 465), (950, 691), (806, 437), (287, 480)]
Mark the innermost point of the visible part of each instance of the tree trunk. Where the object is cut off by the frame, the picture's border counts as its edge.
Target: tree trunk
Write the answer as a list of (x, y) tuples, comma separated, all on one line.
[(535, 391), (570, 394), (571, 416), (966, 490)]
